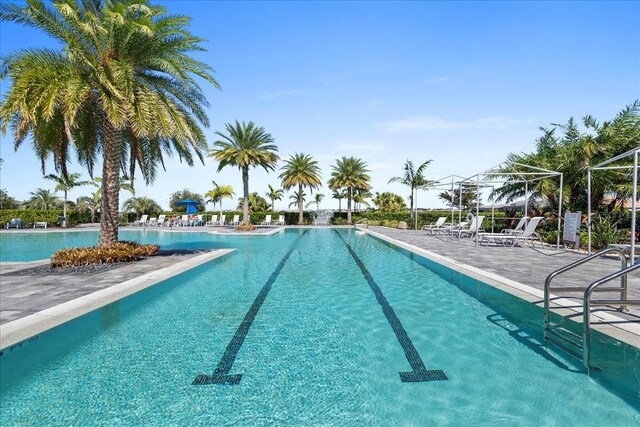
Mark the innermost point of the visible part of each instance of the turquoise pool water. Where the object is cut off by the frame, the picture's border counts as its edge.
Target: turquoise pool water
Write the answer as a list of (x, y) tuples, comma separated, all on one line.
[(324, 347), (41, 245)]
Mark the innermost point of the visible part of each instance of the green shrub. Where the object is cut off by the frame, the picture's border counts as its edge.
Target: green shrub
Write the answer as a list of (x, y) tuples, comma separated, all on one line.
[(122, 251), (605, 232)]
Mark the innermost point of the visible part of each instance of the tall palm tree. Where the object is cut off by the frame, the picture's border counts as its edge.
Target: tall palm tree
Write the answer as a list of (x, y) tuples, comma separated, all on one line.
[(351, 174), (339, 194), (43, 200), (219, 193), (122, 86), (317, 200), (90, 203), (246, 146), (66, 183), (274, 194), (302, 171), (414, 179)]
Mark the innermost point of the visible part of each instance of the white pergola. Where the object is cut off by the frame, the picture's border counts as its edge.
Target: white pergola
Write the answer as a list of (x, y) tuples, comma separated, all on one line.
[(515, 173), (608, 165)]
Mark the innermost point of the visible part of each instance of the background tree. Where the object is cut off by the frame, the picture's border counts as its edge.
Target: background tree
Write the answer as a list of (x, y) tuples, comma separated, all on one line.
[(121, 86), (90, 204), (360, 198), (274, 194), (257, 203), (7, 202), (125, 184), (349, 173), (317, 199), (300, 170), (141, 206), (219, 193), (297, 197), (246, 146), (414, 179), (389, 202), (468, 198), (339, 194), (42, 199), (184, 195), (66, 183)]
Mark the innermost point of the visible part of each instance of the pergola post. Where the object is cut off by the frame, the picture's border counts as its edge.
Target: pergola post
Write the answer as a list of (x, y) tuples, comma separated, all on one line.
[(560, 213), (634, 207)]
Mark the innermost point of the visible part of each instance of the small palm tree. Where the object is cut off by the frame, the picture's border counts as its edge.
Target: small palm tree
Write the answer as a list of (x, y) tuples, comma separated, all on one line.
[(297, 198), (90, 203), (43, 200), (317, 200), (66, 183), (274, 194), (339, 195), (257, 203), (349, 173), (219, 193), (302, 171), (246, 146), (141, 205), (413, 178)]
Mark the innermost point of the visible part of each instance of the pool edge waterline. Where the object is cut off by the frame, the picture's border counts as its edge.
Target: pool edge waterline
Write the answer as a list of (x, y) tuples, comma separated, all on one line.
[(15, 332)]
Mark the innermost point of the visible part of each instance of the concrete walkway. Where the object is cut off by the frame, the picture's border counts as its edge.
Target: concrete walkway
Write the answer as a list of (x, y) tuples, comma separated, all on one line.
[(522, 264)]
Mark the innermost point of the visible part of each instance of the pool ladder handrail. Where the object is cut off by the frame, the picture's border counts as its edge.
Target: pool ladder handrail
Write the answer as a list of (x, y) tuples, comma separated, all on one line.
[(362, 221), (587, 303)]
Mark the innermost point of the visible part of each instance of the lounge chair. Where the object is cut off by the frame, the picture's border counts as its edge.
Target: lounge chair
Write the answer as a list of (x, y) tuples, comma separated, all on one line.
[(267, 220), (183, 221), (519, 228), (452, 229), (223, 220), (152, 222), (236, 220), (436, 225), (213, 220), (14, 223), (474, 227), (280, 220), (160, 221), (529, 234), (199, 220), (142, 221)]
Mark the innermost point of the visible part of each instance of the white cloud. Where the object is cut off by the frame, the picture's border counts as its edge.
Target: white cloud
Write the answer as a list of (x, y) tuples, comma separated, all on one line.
[(439, 123), (267, 94)]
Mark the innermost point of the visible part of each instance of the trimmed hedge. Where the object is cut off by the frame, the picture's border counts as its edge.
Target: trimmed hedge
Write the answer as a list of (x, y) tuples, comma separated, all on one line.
[(29, 216)]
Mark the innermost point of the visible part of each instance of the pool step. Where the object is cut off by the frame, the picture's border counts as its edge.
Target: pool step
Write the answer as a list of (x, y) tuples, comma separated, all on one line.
[(566, 340)]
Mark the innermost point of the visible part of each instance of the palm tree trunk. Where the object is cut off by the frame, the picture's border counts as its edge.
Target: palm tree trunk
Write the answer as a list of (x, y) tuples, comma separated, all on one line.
[(300, 207), (110, 187), (340, 205), (411, 200), (349, 195), (245, 185), (273, 205), (64, 209)]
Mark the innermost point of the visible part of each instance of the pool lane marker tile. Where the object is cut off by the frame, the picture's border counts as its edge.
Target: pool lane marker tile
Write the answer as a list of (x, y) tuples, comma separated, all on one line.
[(221, 374), (420, 373)]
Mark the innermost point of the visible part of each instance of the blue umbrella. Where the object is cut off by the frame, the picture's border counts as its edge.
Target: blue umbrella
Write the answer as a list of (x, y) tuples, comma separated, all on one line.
[(191, 205)]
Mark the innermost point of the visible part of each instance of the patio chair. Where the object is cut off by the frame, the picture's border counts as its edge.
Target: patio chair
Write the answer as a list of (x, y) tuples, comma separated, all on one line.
[(519, 228), (474, 227), (183, 221), (14, 223), (436, 225), (142, 221), (451, 229), (529, 234), (213, 220), (160, 221), (280, 220), (223, 220), (267, 220), (236, 220), (152, 222), (199, 220)]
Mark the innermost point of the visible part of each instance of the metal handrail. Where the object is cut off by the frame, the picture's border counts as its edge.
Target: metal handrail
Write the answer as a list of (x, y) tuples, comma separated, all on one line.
[(586, 308), (550, 277), (363, 220)]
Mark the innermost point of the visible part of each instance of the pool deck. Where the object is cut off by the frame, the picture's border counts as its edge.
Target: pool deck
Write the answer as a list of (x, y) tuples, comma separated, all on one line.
[(524, 266)]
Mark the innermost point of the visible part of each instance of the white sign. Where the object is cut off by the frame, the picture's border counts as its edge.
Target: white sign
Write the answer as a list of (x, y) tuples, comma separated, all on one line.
[(571, 226)]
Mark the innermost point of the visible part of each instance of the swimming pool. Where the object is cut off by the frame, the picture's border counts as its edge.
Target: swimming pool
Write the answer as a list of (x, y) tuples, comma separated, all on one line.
[(308, 327)]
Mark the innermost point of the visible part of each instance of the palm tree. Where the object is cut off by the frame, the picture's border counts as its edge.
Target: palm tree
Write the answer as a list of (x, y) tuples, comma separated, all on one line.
[(317, 200), (339, 194), (90, 203), (66, 183), (141, 205), (389, 202), (349, 173), (302, 171), (360, 198), (297, 197), (245, 146), (257, 203), (43, 200), (121, 86), (219, 193), (124, 184), (274, 194), (414, 179)]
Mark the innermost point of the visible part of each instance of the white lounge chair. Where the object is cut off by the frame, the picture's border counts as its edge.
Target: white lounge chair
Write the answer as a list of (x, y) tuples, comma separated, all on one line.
[(453, 228), (152, 222), (435, 226), (183, 221), (519, 228), (160, 221), (529, 234), (267, 220), (474, 227), (213, 220), (236, 220), (142, 221), (223, 220), (199, 220)]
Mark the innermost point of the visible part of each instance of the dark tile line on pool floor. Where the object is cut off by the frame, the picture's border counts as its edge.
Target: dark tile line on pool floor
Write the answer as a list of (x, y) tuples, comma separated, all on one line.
[(221, 374), (420, 373)]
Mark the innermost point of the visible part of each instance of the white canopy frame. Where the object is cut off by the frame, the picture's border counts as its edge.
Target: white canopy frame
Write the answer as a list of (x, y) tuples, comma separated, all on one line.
[(520, 173), (607, 165)]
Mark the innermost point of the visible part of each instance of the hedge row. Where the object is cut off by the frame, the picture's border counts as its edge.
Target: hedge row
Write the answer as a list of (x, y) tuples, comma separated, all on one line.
[(28, 217)]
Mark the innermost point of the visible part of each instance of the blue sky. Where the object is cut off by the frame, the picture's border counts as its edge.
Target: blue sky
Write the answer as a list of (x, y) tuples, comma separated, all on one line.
[(462, 83)]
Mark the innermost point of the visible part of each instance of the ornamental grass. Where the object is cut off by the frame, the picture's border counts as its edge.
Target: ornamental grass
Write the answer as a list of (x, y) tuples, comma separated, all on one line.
[(122, 251)]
